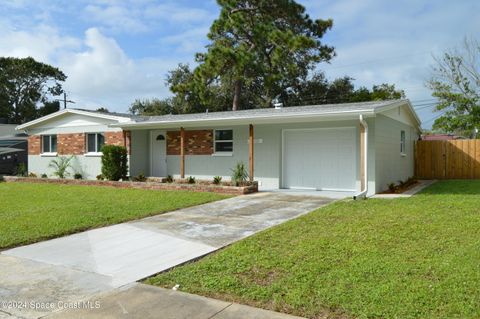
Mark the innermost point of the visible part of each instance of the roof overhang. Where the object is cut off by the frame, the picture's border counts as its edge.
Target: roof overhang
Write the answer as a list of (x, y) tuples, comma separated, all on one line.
[(259, 119), (70, 111), (300, 117), (9, 150)]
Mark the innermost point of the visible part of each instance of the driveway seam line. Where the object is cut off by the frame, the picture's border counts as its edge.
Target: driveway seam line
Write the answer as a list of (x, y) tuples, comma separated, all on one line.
[(221, 310)]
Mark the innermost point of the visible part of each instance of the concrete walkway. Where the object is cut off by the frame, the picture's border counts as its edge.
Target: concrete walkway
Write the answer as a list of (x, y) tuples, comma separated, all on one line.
[(138, 301), (96, 262)]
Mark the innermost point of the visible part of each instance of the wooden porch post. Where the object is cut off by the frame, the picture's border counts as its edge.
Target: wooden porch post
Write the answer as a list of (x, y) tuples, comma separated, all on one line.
[(182, 152), (251, 142), (362, 157)]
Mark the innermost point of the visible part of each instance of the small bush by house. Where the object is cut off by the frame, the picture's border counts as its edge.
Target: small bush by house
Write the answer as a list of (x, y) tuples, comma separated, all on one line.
[(114, 162)]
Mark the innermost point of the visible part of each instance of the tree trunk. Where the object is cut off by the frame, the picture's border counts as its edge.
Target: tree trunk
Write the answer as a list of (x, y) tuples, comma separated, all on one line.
[(236, 94)]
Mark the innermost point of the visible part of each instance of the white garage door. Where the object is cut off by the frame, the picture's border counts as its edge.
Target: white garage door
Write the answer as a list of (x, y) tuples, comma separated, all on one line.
[(322, 159)]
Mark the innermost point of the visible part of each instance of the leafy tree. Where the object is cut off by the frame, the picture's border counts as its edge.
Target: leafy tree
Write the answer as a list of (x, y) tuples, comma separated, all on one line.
[(259, 46), (151, 107), (455, 83), (316, 89), (48, 108), (103, 110), (24, 83), (386, 92)]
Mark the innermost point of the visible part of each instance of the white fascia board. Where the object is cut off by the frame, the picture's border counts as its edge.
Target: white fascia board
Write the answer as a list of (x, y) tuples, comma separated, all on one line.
[(73, 111), (262, 119)]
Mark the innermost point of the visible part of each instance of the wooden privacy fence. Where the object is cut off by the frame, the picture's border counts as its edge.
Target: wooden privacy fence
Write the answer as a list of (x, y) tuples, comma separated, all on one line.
[(455, 159)]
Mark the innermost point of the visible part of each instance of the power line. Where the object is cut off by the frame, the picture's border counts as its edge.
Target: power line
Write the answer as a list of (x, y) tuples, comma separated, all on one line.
[(434, 118), (377, 60), (65, 101)]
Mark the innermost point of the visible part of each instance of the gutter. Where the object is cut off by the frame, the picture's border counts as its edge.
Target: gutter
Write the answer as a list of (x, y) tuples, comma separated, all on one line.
[(258, 119), (363, 192)]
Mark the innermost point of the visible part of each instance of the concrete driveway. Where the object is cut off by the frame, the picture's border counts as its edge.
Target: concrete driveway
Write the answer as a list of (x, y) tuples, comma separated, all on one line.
[(79, 266)]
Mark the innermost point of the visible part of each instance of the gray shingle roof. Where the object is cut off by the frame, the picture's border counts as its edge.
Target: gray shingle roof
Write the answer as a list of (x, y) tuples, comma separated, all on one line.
[(126, 115), (293, 110)]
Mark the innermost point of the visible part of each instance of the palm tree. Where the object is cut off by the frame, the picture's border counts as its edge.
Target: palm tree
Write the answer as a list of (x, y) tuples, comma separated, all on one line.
[(60, 166)]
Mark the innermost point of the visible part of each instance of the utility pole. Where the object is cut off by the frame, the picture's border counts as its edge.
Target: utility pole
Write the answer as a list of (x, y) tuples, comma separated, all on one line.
[(65, 101)]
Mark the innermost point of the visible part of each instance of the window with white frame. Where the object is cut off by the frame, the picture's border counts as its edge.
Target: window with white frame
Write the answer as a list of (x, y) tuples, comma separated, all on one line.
[(402, 142), (49, 143), (223, 141), (95, 141)]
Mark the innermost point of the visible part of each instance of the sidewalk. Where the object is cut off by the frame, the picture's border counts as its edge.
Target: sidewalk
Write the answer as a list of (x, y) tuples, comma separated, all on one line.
[(139, 301)]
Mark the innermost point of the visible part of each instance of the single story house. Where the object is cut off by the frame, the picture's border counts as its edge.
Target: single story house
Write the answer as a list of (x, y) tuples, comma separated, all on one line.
[(355, 147)]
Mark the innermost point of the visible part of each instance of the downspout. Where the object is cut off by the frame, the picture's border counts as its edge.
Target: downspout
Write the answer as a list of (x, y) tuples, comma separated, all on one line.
[(363, 192)]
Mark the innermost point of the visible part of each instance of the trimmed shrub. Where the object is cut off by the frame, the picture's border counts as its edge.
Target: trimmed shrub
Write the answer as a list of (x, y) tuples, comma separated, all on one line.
[(217, 180), (32, 175), (44, 175), (169, 179), (100, 177), (114, 162), (191, 180), (77, 176)]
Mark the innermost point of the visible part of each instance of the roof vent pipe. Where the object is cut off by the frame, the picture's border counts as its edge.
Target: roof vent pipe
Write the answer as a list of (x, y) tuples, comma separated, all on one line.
[(363, 192)]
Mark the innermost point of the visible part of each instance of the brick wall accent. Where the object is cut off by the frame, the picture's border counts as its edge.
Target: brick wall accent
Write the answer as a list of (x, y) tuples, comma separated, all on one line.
[(71, 144), (75, 143), (34, 145), (199, 142), (122, 138)]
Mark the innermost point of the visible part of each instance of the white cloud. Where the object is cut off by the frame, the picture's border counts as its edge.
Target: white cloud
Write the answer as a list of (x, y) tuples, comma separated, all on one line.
[(116, 17), (393, 42), (192, 40), (136, 16), (175, 13), (99, 72), (42, 43), (102, 74)]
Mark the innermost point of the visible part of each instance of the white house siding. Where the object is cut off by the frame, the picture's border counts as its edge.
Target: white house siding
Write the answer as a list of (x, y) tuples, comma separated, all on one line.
[(268, 153), (88, 166), (391, 166), (140, 153)]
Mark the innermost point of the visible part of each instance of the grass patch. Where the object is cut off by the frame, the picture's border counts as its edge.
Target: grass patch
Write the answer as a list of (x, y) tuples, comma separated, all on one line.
[(413, 257), (34, 212)]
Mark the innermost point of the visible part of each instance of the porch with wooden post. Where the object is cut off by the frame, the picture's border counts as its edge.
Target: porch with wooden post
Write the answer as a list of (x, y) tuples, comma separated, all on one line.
[(251, 143), (182, 152)]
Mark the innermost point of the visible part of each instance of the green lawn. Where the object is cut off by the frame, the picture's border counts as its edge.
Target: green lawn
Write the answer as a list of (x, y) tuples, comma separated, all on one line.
[(414, 257), (33, 212)]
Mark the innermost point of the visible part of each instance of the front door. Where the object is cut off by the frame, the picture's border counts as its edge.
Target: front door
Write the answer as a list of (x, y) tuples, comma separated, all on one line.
[(159, 153)]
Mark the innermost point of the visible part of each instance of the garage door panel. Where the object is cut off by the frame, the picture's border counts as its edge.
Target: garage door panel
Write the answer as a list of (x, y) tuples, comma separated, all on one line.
[(320, 159)]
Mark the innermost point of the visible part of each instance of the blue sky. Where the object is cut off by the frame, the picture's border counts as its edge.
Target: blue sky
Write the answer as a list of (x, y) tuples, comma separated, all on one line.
[(116, 51)]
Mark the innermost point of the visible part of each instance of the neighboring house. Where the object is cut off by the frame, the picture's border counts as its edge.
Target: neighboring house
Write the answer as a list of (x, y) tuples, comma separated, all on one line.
[(441, 137), (323, 147), (13, 148)]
